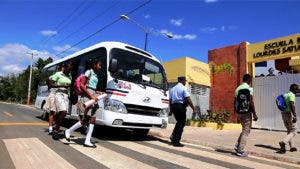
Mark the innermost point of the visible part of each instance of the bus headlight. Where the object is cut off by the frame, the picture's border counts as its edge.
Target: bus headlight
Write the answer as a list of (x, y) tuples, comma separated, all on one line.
[(164, 112), (114, 105)]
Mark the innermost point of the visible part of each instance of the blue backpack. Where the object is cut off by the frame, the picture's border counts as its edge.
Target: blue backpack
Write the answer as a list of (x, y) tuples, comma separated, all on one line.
[(280, 102)]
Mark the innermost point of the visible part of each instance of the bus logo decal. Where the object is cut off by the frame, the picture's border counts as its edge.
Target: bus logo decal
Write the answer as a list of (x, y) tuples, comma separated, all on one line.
[(146, 99)]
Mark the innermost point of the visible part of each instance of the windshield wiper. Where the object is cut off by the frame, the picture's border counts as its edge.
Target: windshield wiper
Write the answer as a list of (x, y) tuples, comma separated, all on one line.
[(141, 84)]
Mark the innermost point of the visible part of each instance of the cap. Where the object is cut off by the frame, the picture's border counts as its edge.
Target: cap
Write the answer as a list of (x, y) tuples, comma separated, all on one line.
[(181, 78)]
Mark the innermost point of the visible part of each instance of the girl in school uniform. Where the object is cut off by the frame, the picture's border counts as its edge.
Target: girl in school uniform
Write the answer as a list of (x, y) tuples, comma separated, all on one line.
[(50, 104), (62, 81), (88, 115)]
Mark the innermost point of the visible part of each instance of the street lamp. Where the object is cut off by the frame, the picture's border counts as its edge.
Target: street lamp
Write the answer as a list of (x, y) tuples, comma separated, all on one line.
[(146, 30), (30, 74)]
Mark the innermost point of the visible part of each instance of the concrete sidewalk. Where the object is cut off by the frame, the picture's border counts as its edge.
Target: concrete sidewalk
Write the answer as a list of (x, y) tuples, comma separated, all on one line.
[(261, 143)]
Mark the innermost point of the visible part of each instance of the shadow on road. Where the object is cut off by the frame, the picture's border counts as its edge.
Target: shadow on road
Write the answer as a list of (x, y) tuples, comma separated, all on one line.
[(267, 146), (225, 151), (106, 133)]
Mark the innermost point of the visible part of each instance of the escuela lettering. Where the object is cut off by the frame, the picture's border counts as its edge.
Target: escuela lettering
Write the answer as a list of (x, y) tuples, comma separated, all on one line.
[(279, 47)]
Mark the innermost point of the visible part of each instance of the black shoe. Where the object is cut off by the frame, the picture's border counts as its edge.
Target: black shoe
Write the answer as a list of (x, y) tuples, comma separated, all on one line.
[(68, 139), (91, 146), (178, 145), (293, 149), (282, 147), (55, 136)]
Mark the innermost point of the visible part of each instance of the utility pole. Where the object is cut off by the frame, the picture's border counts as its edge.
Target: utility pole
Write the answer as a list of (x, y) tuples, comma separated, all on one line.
[(30, 74)]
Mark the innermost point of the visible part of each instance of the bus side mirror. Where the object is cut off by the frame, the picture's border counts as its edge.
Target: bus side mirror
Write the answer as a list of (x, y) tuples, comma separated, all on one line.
[(165, 86), (113, 65)]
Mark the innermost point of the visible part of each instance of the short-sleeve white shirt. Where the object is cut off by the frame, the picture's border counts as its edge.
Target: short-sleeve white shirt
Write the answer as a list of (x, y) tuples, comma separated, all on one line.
[(178, 93)]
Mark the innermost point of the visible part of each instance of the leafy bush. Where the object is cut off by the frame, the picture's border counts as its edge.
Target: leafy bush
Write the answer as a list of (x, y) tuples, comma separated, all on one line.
[(219, 117)]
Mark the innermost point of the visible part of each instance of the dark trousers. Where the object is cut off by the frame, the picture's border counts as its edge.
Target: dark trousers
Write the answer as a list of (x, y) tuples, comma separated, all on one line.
[(179, 111)]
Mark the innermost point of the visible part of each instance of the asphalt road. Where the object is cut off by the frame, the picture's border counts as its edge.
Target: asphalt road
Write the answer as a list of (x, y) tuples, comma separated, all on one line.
[(24, 143)]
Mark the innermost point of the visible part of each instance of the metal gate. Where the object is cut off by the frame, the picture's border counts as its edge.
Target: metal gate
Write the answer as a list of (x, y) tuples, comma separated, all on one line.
[(266, 89)]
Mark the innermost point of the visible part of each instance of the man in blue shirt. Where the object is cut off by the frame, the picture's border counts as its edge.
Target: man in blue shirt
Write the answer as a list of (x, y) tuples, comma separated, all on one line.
[(179, 98)]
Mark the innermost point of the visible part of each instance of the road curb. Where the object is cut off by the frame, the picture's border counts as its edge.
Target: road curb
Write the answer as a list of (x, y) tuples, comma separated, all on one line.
[(227, 148)]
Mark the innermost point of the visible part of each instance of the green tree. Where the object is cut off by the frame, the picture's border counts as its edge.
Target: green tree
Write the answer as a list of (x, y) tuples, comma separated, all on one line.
[(14, 87)]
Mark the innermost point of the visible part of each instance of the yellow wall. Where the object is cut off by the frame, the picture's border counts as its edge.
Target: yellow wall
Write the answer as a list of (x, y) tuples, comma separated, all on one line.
[(175, 68), (194, 70)]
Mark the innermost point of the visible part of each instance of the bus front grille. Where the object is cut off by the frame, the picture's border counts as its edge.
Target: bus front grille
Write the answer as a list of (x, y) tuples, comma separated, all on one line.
[(142, 110)]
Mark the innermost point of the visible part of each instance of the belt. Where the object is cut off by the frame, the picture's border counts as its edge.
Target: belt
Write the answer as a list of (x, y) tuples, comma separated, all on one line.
[(62, 91), (177, 103), (91, 88)]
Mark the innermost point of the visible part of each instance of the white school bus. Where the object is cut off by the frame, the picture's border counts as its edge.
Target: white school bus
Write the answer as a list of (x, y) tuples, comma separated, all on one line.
[(134, 80)]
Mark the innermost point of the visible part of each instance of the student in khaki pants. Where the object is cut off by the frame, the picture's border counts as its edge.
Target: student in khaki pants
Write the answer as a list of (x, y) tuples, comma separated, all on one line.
[(245, 119), (289, 118)]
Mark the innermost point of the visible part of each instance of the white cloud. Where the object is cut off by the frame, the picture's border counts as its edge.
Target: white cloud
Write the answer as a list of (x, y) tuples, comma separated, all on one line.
[(208, 29), (190, 37), (147, 16), (210, 1), (48, 32), (178, 36), (223, 28), (14, 57), (176, 22), (59, 49), (13, 68), (211, 29)]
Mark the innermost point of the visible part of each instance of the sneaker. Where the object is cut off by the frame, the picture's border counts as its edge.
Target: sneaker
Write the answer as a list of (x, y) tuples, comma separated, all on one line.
[(242, 154), (282, 147), (55, 136), (293, 149), (235, 148), (67, 136), (50, 132), (90, 145)]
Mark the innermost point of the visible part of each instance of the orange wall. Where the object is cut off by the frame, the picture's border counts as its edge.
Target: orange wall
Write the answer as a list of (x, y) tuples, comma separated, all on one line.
[(222, 91)]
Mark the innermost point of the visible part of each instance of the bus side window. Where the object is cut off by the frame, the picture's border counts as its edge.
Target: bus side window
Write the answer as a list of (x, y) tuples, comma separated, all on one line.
[(46, 73)]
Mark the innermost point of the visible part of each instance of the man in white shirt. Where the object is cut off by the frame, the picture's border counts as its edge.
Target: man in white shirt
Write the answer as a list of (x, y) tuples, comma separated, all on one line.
[(179, 98)]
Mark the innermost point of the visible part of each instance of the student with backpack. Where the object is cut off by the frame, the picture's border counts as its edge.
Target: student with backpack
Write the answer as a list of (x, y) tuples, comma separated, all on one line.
[(289, 118), (244, 107), (87, 90)]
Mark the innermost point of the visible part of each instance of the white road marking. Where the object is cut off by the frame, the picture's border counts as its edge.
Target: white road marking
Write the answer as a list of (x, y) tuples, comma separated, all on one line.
[(31, 153), (108, 157), (170, 157), (231, 159)]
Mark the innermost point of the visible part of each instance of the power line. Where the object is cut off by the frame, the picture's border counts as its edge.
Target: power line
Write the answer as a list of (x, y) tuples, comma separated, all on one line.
[(64, 20), (103, 28), (78, 15), (86, 24)]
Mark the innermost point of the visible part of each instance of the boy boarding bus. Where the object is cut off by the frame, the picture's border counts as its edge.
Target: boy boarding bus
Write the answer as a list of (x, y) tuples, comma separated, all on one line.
[(134, 80)]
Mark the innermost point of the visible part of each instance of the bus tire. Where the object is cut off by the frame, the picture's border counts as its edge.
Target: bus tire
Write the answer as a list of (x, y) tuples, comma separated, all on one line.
[(141, 132), (44, 115)]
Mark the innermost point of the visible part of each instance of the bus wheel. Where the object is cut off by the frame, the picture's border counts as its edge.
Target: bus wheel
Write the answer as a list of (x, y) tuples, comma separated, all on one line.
[(141, 132)]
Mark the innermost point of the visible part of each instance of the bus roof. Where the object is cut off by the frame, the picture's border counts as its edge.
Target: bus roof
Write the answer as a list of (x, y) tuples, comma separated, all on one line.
[(108, 44)]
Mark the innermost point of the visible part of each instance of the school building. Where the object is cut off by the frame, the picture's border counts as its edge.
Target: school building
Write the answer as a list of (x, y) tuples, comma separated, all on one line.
[(198, 80), (285, 51)]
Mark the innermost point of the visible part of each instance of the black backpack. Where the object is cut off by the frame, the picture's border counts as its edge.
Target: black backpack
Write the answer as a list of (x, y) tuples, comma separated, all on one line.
[(242, 103), (73, 96)]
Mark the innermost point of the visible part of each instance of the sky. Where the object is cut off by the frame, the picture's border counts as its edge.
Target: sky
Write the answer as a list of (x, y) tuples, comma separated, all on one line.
[(47, 28)]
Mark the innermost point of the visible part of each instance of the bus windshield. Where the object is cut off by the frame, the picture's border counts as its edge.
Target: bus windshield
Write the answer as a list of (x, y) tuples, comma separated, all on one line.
[(137, 68)]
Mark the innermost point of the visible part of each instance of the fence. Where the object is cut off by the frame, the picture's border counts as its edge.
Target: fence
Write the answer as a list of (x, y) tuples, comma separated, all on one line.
[(266, 89)]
